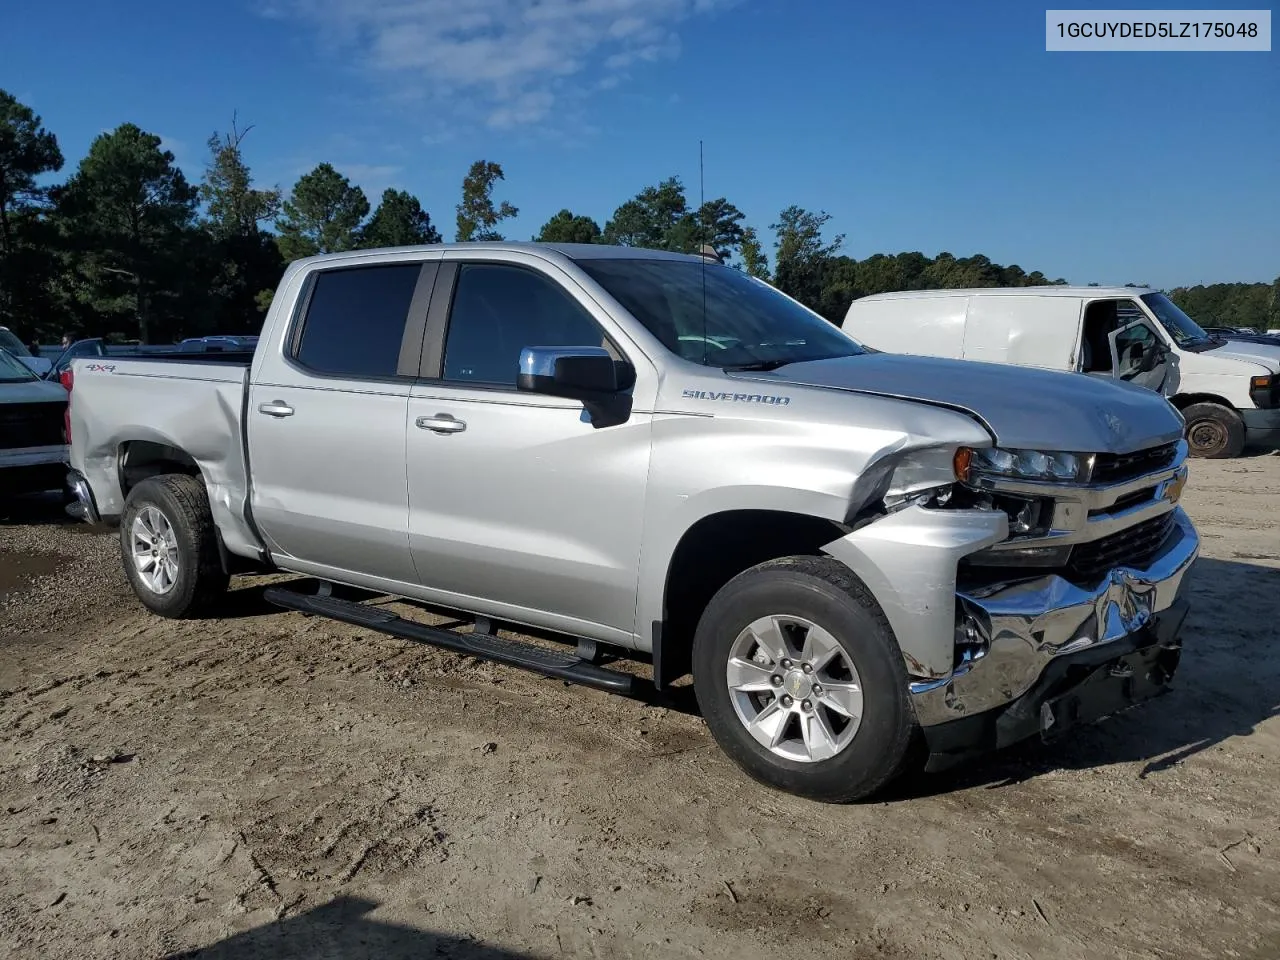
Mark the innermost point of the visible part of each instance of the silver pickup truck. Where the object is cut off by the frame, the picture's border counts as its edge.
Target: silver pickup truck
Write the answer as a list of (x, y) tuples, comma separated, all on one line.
[(866, 562)]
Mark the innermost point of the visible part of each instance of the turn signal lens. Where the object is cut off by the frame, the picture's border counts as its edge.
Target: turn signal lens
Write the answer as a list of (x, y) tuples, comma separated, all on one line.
[(961, 462)]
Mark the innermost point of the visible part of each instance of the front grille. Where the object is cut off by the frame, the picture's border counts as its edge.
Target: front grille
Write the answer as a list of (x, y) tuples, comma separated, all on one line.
[(1131, 547), (30, 424), (1118, 467)]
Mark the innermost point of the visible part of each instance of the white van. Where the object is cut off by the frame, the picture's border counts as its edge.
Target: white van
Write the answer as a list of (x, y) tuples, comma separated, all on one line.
[(1228, 393)]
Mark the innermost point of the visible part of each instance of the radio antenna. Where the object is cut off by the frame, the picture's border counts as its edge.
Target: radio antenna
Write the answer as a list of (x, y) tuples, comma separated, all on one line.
[(702, 253)]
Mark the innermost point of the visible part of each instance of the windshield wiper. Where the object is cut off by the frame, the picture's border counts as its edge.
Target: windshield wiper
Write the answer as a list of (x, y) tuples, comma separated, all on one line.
[(759, 365)]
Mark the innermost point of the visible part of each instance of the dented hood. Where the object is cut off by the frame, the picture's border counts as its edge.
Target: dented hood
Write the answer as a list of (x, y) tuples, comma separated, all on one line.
[(1022, 407)]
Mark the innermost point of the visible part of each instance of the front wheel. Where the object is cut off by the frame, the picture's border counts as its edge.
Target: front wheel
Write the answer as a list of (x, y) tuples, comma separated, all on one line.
[(1214, 431), (169, 546), (801, 682)]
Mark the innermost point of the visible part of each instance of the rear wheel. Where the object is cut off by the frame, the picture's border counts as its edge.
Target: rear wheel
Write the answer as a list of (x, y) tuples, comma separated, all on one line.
[(169, 546), (801, 682), (1214, 431)]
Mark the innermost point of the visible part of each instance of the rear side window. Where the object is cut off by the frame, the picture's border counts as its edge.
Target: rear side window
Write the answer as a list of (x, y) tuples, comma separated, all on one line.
[(355, 320)]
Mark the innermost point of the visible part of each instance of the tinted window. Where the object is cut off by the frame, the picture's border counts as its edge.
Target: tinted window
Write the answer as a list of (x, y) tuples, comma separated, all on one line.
[(717, 315), (356, 319), (13, 370), (500, 310), (1177, 324)]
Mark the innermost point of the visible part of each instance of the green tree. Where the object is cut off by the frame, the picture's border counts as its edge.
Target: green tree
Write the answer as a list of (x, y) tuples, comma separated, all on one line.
[(754, 260), (565, 227), (322, 215), (719, 223), (657, 218), (233, 205), (27, 261), (1228, 304), (399, 221), (244, 259), (802, 258), (129, 215), (478, 218)]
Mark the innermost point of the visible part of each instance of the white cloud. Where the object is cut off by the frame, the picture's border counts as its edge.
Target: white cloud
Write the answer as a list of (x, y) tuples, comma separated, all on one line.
[(506, 59), (524, 109), (372, 178), (173, 145)]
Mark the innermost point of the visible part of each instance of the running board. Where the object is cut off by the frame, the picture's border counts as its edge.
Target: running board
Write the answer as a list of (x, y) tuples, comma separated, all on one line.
[(527, 656)]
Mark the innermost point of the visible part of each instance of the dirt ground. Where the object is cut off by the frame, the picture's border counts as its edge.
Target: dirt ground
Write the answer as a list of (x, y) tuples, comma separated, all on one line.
[(269, 785)]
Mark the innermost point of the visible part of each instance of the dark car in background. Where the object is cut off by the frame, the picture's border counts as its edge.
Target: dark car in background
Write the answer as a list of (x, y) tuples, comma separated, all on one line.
[(1243, 334)]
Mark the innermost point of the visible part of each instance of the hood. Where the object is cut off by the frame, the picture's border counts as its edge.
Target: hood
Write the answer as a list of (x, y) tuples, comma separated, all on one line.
[(1264, 354), (1022, 407), (32, 391)]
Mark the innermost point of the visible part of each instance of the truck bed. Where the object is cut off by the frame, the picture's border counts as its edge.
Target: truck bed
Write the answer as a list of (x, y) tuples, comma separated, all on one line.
[(232, 358), (191, 404)]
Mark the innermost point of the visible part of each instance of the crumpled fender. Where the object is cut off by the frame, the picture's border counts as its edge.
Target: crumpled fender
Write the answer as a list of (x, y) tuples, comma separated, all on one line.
[(908, 561)]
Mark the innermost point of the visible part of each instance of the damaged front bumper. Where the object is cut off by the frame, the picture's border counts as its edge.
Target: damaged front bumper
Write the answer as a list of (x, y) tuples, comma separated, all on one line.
[(1058, 654)]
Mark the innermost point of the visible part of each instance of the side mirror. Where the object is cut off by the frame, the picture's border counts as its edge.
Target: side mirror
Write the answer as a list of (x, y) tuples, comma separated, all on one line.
[(588, 374)]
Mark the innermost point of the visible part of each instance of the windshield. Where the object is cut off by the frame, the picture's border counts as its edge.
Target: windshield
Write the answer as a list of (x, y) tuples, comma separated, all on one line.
[(13, 370), (1177, 324), (745, 323), (11, 343)]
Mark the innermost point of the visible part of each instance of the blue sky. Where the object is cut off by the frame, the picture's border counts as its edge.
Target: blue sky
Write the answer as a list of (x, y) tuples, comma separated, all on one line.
[(917, 126)]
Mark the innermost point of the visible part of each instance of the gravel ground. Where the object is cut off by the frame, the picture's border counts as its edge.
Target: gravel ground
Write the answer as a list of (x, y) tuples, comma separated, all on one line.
[(269, 785)]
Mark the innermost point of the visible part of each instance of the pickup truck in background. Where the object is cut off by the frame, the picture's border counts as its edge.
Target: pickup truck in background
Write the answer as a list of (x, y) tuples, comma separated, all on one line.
[(33, 443), (865, 561)]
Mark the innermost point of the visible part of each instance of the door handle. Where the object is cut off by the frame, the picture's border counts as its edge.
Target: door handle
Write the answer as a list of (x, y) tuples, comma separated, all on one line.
[(441, 423), (276, 408)]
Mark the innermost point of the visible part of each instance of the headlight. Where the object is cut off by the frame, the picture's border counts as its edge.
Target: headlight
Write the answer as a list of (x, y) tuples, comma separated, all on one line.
[(971, 463)]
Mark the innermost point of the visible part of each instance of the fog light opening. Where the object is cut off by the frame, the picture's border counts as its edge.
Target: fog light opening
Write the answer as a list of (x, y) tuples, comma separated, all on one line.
[(973, 640)]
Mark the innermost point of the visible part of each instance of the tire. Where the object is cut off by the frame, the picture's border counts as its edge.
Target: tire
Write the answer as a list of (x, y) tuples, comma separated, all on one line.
[(825, 594), (196, 579), (1214, 432)]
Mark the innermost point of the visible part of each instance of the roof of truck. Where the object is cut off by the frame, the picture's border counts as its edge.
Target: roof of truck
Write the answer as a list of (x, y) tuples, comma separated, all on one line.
[(1040, 291), (574, 251)]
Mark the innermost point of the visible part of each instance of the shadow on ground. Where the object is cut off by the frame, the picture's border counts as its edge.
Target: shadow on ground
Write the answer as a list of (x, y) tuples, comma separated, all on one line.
[(40, 509), (1227, 684), (342, 930)]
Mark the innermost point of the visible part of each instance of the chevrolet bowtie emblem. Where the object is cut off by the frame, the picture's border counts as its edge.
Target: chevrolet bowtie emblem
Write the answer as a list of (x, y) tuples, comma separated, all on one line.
[(1174, 486)]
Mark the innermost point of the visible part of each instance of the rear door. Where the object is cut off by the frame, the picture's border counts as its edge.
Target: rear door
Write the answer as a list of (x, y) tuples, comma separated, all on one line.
[(326, 422), (520, 496)]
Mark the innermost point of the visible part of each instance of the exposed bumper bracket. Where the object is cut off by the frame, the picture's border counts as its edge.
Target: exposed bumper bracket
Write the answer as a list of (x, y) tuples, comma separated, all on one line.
[(1075, 689), (84, 507)]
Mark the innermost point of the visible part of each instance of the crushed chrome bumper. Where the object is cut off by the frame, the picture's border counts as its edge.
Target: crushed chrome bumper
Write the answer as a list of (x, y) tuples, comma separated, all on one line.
[(1031, 624)]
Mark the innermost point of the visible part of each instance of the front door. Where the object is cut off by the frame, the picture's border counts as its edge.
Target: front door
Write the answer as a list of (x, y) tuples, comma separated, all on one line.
[(516, 496), (1120, 343), (1138, 356)]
